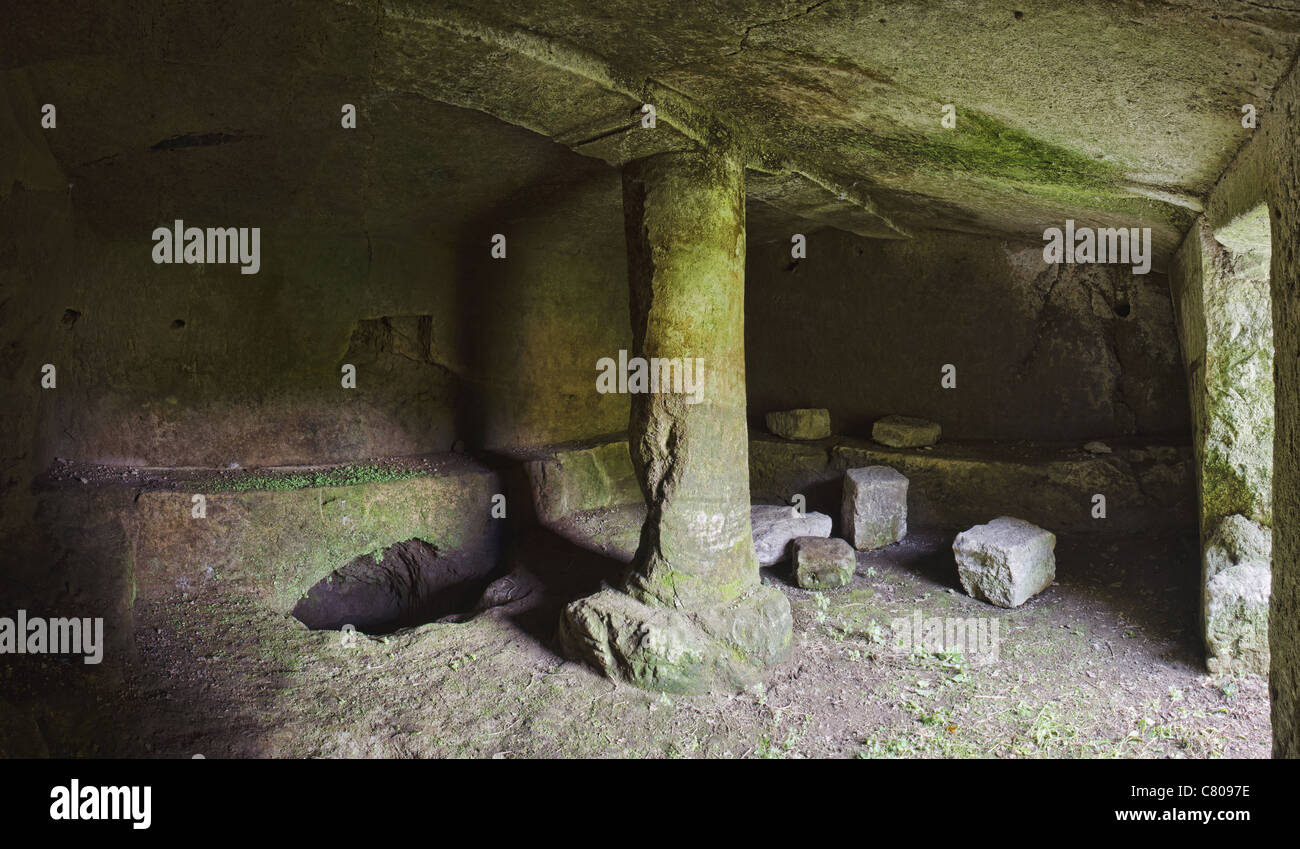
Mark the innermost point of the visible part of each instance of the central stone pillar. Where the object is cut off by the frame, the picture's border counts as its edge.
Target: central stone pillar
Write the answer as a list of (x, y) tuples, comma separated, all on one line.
[(692, 613)]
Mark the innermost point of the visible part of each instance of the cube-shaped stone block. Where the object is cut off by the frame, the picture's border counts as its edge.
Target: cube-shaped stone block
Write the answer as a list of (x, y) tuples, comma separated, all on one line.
[(874, 508), (1006, 561)]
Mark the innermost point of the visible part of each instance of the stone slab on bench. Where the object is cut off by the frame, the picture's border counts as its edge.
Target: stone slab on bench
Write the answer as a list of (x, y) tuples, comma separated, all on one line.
[(800, 424), (905, 432)]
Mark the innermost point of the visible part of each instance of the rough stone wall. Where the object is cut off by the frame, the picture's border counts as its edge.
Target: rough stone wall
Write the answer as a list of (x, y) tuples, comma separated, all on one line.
[(1043, 352), (175, 365), (1268, 167), (1226, 329), (36, 227), (1283, 147), (542, 318)]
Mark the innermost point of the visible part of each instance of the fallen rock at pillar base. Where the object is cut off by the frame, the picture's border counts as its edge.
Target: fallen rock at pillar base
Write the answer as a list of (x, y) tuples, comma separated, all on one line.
[(905, 432), (874, 507), (800, 424), (821, 563), (648, 646), (776, 525), (679, 650), (758, 625), (1097, 448), (1236, 590), (1005, 562)]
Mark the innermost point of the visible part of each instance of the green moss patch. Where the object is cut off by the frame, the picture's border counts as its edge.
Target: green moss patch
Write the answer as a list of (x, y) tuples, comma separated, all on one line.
[(984, 146), (284, 481)]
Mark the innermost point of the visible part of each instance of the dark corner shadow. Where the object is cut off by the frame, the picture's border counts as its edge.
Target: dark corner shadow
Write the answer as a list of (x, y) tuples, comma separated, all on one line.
[(554, 571), (1151, 582)]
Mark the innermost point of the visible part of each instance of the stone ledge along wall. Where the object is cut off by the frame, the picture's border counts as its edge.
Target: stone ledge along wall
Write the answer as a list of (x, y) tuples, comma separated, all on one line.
[(274, 544), (958, 485), (579, 479), (1042, 352), (98, 548), (955, 486)]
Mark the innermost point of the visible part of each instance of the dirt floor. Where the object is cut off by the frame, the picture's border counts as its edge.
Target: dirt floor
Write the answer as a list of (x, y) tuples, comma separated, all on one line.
[(1105, 663)]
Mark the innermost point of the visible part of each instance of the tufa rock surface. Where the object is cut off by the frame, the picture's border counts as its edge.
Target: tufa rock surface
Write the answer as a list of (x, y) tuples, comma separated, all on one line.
[(692, 613), (725, 645)]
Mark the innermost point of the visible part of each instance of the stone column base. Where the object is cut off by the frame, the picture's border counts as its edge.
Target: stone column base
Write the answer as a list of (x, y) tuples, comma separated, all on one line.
[(1235, 587), (676, 650)]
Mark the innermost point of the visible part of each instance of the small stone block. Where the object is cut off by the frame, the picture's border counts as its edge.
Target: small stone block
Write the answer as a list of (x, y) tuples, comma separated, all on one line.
[(822, 564)]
